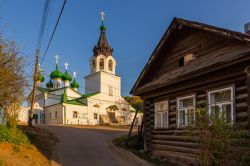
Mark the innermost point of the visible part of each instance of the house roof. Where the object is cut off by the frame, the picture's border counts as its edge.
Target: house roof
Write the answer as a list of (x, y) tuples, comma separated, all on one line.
[(75, 102), (171, 76)]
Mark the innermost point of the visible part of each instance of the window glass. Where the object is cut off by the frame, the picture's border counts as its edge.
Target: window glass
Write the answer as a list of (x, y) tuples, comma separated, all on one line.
[(95, 115), (161, 114), (220, 96), (186, 111), (221, 104), (110, 65)]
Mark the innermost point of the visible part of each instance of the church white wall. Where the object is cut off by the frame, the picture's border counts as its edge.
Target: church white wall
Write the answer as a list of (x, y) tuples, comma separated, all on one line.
[(82, 114), (109, 80), (50, 114), (92, 83), (71, 94)]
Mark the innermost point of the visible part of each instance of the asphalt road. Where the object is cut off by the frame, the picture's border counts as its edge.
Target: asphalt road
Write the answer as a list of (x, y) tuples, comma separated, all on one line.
[(91, 147)]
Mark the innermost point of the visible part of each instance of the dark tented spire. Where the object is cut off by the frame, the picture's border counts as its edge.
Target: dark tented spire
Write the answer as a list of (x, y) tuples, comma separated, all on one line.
[(103, 46)]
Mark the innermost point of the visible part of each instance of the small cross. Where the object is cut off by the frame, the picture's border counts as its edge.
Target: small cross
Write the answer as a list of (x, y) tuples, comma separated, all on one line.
[(74, 73), (66, 65), (102, 14), (57, 57), (39, 66)]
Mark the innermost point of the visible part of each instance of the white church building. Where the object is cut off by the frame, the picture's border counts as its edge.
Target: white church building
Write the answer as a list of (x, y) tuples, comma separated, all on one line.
[(61, 103)]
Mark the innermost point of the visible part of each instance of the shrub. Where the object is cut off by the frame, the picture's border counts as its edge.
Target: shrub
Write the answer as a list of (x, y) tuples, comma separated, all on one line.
[(222, 144), (12, 135)]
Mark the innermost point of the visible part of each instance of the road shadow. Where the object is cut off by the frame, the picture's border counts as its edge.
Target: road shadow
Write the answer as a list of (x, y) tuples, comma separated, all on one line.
[(45, 141)]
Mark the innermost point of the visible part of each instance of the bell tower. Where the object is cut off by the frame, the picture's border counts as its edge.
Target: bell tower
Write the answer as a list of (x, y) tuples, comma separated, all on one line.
[(102, 78)]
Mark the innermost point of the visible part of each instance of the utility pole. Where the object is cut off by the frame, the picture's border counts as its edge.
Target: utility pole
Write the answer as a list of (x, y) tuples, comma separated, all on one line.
[(34, 88)]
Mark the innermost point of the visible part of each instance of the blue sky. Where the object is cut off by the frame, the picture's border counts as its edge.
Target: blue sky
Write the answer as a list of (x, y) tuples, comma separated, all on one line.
[(134, 28)]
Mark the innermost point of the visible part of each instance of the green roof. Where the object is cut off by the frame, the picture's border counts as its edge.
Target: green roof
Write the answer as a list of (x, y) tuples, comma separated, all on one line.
[(66, 76), (89, 95), (49, 85), (75, 102), (40, 77), (56, 73), (42, 89), (74, 84)]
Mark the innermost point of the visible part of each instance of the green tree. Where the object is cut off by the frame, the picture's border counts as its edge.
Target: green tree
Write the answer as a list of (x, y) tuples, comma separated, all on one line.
[(135, 101)]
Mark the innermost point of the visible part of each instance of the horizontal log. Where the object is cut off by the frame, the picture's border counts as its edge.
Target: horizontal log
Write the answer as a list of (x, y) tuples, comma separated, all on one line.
[(171, 114), (176, 157), (172, 120), (242, 115), (173, 138), (241, 96), (172, 101), (242, 88), (175, 149), (202, 95), (241, 105), (178, 144)]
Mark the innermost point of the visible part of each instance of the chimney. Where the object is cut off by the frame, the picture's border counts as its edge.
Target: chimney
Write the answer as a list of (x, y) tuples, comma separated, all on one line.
[(247, 28)]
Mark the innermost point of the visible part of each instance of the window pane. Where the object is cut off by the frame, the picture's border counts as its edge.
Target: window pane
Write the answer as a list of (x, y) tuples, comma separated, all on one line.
[(181, 118), (164, 119), (157, 119), (163, 106), (188, 102), (221, 96), (226, 113), (215, 111), (190, 116)]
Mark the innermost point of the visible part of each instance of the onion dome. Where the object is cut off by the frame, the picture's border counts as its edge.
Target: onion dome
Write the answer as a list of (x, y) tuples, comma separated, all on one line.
[(49, 85), (74, 84), (66, 76), (40, 77), (56, 73)]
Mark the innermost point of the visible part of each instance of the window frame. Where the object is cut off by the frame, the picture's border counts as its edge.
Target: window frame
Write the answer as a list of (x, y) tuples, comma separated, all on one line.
[(185, 109), (232, 102), (161, 113)]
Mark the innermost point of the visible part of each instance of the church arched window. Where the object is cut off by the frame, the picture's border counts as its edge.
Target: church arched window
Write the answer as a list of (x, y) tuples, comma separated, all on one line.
[(93, 65), (110, 65), (101, 65)]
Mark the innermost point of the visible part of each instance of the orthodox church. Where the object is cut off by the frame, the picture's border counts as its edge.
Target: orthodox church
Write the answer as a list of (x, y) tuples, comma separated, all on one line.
[(61, 103)]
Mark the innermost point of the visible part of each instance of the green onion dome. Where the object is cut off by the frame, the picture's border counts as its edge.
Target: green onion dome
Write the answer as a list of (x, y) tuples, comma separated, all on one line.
[(49, 84), (74, 84), (40, 77), (56, 73), (66, 76)]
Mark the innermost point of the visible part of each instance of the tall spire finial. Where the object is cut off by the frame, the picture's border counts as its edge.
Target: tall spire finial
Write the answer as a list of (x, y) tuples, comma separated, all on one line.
[(57, 57), (102, 14), (103, 28), (74, 73), (66, 65)]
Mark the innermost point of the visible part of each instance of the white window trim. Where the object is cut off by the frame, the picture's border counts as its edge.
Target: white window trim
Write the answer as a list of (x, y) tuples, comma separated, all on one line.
[(185, 109), (165, 111), (222, 103)]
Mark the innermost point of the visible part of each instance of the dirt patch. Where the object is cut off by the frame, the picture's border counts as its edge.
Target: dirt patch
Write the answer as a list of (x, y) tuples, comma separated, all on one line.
[(40, 152), (22, 155)]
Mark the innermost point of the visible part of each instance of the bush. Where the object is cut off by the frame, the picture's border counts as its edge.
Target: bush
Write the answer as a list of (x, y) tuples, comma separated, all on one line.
[(12, 135), (222, 144)]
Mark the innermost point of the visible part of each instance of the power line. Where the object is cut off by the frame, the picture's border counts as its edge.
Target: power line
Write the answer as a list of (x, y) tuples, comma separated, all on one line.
[(43, 22), (57, 22)]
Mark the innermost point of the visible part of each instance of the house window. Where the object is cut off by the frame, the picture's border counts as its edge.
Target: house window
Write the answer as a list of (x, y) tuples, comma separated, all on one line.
[(56, 114), (50, 115), (101, 64), (221, 104), (186, 111), (110, 91), (74, 114), (186, 59), (95, 115), (110, 65), (161, 114)]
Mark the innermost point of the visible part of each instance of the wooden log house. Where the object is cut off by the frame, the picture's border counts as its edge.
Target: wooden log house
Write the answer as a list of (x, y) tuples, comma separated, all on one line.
[(193, 64)]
